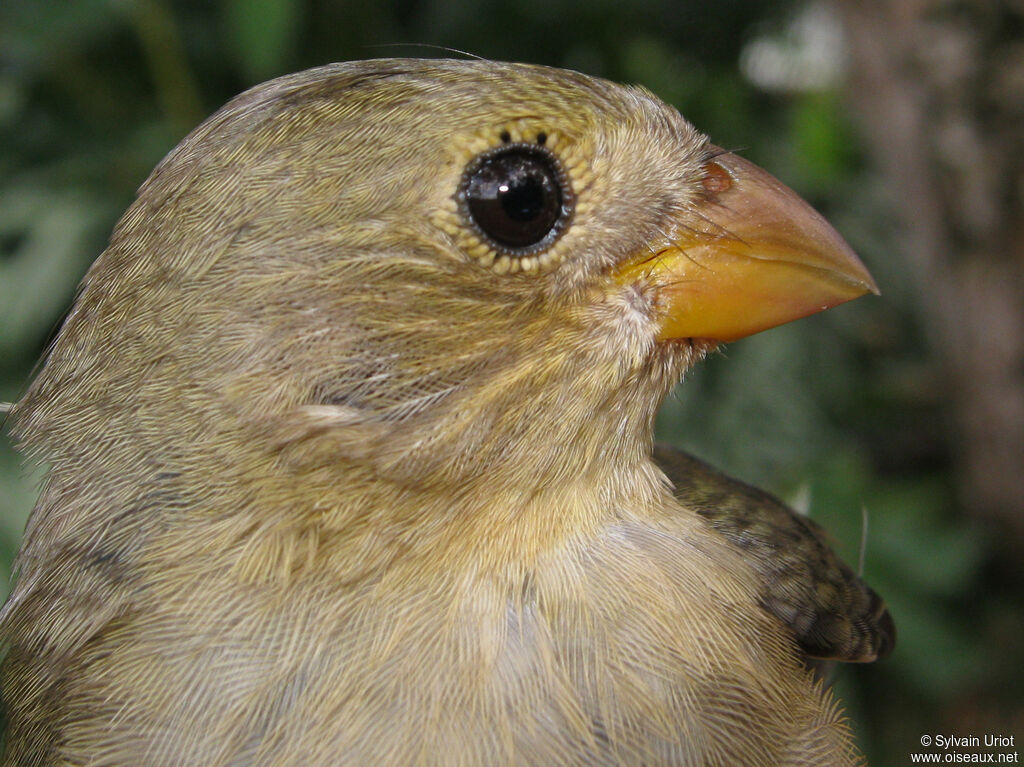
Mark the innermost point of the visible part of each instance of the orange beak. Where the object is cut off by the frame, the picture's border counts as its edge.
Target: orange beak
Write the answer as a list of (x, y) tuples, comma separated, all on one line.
[(754, 255)]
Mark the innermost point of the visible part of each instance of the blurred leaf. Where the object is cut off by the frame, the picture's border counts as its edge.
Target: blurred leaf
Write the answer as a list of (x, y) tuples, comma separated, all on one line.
[(820, 141), (51, 232), (20, 488), (34, 33), (263, 35), (159, 32), (662, 68), (755, 407), (921, 560), (934, 652)]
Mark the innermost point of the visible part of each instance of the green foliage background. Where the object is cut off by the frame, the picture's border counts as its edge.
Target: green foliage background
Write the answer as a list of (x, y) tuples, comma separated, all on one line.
[(838, 413)]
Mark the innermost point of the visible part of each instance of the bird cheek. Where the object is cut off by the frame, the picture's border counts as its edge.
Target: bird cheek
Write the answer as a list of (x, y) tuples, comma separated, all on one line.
[(639, 307), (624, 321)]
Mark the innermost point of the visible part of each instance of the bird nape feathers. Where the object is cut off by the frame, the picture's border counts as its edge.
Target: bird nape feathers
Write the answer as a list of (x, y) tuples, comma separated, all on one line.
[(350, 436)]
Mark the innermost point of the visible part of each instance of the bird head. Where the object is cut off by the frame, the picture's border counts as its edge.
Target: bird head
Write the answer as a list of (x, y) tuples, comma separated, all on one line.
[(426, 272)]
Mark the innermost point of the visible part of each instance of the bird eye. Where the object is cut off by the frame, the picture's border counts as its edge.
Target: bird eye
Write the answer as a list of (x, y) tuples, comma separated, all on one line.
[(517, 197)]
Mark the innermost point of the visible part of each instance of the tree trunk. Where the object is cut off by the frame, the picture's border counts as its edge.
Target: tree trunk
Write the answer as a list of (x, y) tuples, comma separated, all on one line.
[(939, 89)]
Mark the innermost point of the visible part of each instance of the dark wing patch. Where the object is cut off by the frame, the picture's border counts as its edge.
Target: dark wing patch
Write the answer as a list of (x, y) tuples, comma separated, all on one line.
[(832, 612)]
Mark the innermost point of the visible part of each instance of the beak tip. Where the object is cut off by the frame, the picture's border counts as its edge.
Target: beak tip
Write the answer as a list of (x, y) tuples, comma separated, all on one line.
[(869, 285)]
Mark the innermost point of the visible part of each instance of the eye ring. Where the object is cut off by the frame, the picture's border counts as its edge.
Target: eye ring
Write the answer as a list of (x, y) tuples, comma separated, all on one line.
[(517, 198)]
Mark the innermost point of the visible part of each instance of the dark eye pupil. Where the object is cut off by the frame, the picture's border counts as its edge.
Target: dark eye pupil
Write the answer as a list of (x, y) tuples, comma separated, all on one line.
[(525, 200), (514, 196)]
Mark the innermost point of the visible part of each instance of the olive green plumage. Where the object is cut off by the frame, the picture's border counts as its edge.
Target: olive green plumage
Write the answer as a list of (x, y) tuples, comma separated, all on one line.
[(334, 483)]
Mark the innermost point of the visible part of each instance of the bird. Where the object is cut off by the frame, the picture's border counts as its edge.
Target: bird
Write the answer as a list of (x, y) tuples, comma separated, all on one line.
[(350, 443)]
